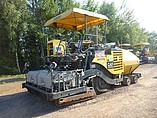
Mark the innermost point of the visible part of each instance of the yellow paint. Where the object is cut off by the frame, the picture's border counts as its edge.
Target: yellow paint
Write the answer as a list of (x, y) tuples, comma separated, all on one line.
[(121, 66), (73, 19), (129, 66), (110, 58), (55, 43)]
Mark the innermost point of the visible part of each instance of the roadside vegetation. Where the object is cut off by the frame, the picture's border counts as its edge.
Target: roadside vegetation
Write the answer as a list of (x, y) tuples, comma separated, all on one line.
[(11, 78)]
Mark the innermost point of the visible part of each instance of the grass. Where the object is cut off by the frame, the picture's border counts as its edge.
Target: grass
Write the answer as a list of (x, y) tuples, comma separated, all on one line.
[(2, 82), (12, 76)]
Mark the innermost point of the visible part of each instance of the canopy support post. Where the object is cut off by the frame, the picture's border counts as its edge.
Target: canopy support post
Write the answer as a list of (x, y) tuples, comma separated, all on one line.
[(96, 33), (105, 25), (85, 21)]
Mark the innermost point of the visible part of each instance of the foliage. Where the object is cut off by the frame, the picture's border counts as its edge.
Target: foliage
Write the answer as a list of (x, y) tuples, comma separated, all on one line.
[(89, 5), (12, 26), (122, 27), (152, 39), (13, 76)]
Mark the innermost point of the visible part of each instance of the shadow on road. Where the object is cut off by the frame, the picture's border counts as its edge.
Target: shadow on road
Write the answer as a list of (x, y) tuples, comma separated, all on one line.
[(9, 80), (25, 105), (113, 87), (155, 77)]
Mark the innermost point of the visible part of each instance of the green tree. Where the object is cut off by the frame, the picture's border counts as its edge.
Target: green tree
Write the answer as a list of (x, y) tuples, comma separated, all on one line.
[(152, 39), (110, 11), (40, 11), (89, 5), (122, 27), (11, 28)]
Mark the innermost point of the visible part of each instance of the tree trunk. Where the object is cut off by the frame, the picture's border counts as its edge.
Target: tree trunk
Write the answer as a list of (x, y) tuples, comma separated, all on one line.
[(17, 61)]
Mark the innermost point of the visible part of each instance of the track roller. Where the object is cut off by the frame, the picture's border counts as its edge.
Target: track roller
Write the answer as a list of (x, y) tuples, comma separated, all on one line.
[(134, 79), (126, 81)]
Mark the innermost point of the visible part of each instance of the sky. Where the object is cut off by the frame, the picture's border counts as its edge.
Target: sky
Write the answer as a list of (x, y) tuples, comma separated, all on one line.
[(145, 11)]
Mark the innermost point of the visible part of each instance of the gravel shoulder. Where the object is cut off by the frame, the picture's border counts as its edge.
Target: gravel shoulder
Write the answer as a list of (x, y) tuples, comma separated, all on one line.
[(134, 101)]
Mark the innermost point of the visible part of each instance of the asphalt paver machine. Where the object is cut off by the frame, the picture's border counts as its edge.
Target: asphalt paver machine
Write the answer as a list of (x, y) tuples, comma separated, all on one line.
[(141, 50), (80, 68)]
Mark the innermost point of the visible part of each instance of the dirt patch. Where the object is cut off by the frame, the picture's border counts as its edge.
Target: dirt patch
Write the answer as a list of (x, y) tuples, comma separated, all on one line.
[(137, 100)]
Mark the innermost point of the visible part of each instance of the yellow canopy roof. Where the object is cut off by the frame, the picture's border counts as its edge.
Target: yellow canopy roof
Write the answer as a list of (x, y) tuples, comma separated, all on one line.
[(141, 44), (74, 19)]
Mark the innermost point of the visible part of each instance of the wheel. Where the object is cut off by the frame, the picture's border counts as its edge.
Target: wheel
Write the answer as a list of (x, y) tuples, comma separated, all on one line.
[(126, 81), (100, 85), (134, 79)]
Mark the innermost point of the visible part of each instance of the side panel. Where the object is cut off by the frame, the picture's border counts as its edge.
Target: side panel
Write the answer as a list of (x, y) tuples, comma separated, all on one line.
[(113, 63), (131, 62)]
